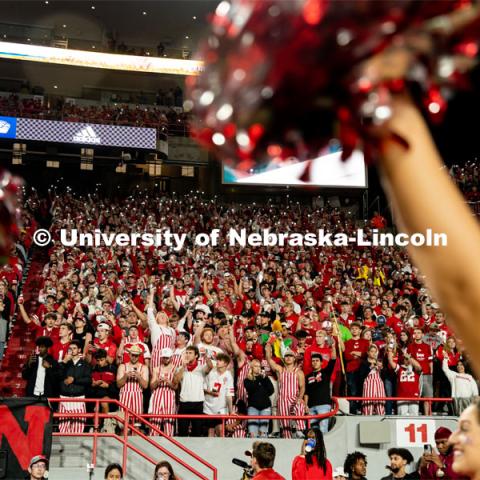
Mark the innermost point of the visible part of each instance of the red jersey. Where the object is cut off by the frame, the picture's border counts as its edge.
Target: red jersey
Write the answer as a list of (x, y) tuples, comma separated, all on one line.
[(408, 382), (360, 345), (42, 331), (109, 346), (105, 376), (346, 321), (396, 324), (422, 353), (59, 350)]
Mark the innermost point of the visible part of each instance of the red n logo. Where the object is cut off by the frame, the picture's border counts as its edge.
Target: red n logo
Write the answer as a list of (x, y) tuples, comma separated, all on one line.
[(24, 446)]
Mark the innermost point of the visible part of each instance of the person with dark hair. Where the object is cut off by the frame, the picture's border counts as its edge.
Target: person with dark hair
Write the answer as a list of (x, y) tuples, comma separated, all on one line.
[(103, 385), (113, 471), (38, 468), (164, 471), (355, 351), (466, 443), (312, 462), (399, 459), (464, 387), (433, 465), (191, 375), (76, 376), (355, 466), (41, 371), (317, 388), (219, 392), (263, 459)]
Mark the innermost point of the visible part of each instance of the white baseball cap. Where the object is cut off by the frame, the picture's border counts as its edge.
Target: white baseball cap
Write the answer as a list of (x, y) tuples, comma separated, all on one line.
[(166, 353)]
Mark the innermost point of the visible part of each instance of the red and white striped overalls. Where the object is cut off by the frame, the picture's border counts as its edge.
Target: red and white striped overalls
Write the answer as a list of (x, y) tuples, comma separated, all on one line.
[(71, 425), (178, 357), (373, 387), (288, 404), (165, 340), (241, 376), (162, 401), (131, 394), (240, 430)]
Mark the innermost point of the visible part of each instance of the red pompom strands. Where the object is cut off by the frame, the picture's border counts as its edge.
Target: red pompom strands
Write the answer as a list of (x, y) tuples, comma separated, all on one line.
[(282, 78)]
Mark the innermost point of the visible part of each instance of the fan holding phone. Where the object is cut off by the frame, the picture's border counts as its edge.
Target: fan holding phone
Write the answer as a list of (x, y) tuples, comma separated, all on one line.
[(438, 465)]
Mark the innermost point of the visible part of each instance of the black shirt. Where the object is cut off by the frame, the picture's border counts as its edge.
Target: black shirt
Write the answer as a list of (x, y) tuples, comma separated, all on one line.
[(317, 386), (259, 391)]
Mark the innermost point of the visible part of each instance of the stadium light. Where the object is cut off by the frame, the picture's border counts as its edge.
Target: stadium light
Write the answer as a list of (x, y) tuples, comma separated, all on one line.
[(86, 159), (154, 165), (18, 151)]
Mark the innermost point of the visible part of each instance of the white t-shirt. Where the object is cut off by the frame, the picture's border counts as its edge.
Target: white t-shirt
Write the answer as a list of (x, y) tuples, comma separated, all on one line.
[(192, 385), (218, 383), (40, 378)]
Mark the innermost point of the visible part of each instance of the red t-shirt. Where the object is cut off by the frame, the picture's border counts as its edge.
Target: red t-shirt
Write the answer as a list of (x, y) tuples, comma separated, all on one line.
[(396, 324), (42, 331), (301, 470), (109, 346), (268, 474), (422, 353), (360, 345), (59, 350), (106, 376)]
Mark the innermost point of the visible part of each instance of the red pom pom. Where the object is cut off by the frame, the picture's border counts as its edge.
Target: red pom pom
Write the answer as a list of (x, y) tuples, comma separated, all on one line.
[(282, 78)]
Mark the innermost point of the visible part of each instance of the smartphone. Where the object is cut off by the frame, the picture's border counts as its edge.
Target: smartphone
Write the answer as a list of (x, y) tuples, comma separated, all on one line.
[(427, 449)]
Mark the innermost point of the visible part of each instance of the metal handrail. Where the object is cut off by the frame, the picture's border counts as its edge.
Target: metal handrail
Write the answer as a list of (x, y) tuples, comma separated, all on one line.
[(226, 417), (128, 414)]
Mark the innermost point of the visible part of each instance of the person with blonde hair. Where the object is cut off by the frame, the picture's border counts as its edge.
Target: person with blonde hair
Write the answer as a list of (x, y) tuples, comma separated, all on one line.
[(259, 389)]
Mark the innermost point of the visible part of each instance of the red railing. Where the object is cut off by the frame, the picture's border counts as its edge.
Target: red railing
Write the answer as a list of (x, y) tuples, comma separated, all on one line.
[(224, 418), (398, 399), (128, 415)]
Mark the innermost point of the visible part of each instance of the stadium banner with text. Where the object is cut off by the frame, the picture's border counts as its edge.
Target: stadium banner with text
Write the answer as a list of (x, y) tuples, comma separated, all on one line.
[(25, 431), (111, 61), (76, 132)]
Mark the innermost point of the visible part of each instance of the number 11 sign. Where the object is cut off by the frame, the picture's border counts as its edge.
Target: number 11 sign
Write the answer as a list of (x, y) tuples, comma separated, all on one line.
[(415, 432)]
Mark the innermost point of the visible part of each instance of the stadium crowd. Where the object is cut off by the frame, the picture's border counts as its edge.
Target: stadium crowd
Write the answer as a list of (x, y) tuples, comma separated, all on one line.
[(165, 119), (224, 330)]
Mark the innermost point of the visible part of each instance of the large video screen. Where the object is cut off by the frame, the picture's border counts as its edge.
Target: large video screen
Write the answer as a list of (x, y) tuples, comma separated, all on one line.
[(76, 132), (327, 170), (111, 61)]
